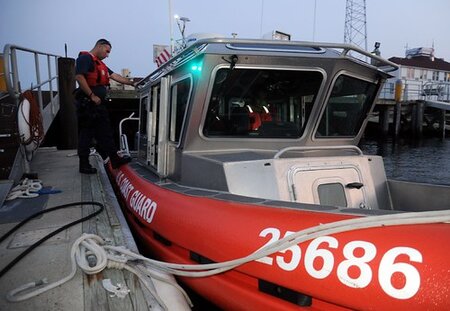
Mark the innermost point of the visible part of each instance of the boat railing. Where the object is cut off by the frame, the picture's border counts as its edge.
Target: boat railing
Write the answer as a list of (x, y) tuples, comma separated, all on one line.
[(437, 89), (344, 50), (124, 149), (317, 148), (417, 90)]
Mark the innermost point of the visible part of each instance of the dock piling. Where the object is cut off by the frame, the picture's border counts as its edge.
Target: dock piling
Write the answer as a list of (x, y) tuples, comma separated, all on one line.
[(398, 107), (67, 113)]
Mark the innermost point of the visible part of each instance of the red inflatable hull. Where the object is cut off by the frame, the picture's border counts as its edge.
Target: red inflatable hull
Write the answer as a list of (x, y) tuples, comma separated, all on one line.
[(389, 268)]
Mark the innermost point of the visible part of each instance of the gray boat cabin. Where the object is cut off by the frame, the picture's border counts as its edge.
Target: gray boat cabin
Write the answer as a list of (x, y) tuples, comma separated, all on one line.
[(276, 120)]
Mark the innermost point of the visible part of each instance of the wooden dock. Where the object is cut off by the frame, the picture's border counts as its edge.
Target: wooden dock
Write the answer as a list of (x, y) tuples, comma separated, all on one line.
[(416, 116), (59, 170)]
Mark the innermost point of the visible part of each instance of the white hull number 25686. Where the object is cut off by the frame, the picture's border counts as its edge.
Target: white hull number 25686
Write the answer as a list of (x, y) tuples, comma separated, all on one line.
[(319, 248)]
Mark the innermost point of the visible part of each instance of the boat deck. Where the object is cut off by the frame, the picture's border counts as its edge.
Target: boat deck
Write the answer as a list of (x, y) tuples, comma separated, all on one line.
[(58, 170)]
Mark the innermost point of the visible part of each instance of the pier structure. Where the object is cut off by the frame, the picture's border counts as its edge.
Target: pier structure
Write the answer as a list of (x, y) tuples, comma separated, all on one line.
[(418, 111), (423, 101)]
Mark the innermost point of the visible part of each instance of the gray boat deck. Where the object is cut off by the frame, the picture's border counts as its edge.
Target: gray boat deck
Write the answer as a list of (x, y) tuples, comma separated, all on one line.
[(51, 260)]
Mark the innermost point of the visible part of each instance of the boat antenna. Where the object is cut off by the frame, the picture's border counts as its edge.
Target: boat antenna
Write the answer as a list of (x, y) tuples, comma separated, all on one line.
[(172, 45), (182, 27), (261, 19), (314, 23)]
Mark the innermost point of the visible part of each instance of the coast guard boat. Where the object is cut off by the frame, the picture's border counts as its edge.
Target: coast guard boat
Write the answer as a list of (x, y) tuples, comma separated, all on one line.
[(247, 166)]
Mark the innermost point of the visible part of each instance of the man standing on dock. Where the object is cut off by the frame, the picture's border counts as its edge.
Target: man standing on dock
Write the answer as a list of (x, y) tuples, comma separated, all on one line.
[(93, 77)]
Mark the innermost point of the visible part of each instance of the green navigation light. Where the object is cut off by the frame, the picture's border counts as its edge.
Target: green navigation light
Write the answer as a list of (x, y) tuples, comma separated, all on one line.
[(196, 67)]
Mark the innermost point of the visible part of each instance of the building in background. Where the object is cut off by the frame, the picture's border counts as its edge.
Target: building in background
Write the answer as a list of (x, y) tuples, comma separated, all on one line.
[(119, 86), (423, 75)]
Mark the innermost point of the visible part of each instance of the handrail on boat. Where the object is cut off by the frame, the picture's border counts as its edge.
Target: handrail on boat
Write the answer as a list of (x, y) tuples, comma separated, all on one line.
[(316, 148), (123, 138), (197, 47)]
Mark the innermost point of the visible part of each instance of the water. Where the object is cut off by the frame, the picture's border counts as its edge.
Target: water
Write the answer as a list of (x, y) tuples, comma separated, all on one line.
[(426, 160)]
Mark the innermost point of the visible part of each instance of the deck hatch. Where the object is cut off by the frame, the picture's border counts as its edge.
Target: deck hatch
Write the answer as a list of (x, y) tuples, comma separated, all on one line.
[(325, 184)]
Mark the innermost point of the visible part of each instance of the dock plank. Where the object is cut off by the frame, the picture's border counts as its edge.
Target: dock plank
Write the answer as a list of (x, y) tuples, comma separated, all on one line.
[(84, 292)]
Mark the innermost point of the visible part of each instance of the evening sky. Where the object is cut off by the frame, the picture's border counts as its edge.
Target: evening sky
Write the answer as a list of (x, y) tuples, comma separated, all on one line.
[(134, 26)]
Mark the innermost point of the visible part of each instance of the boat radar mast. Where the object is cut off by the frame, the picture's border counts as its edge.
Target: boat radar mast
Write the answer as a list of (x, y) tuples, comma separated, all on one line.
[(181, 22)]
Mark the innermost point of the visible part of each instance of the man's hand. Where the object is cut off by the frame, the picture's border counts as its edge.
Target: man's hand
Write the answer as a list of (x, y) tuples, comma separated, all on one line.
[(135, 85), (96, 99)]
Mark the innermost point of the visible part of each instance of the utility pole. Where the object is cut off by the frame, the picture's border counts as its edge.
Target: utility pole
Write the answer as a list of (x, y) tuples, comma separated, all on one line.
[(355, 31), (172, 43)]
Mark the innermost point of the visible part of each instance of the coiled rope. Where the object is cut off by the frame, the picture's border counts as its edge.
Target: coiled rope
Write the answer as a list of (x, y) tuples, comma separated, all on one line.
[(83, 252), (26, 189)]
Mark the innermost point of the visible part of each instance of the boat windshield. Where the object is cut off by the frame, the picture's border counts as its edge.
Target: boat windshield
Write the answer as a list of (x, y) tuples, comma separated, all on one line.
[(261, 103), (347, 107)]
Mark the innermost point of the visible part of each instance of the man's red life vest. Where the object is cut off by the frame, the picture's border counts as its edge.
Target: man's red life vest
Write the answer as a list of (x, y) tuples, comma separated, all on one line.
[(100, 75)]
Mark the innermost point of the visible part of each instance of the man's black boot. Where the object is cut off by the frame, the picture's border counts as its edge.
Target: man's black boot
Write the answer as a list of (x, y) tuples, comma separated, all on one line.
[(85, 166), (117, 161)]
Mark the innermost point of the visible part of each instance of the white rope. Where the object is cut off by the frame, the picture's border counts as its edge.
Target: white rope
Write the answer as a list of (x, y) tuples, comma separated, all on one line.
[(204, 270), (89, 253), (26, 189), (118, 256)]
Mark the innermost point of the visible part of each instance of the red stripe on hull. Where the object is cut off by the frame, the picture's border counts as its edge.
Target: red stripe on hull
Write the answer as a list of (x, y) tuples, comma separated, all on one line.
[(389, 268)]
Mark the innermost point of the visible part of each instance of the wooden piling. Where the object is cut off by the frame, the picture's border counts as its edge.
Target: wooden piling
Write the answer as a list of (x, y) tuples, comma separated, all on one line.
[(414, 119), (419, 118), (67, 112), (398, 107), (384, 119)]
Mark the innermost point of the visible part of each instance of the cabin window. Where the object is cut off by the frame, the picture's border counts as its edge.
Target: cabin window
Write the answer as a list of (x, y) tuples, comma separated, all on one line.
[(423, 74), (144, 114), (143, 128), (332, 194), (347, 107), (261, 103), (180, 92)]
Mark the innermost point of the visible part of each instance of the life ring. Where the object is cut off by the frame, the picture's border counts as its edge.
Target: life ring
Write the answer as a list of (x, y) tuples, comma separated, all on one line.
[(23, 121), (29, 122)]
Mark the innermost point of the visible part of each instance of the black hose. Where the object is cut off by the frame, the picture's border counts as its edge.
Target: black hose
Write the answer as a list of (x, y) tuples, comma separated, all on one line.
[(48, 236)]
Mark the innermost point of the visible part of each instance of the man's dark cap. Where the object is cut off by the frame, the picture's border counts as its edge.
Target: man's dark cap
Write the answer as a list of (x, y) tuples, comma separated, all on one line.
[(103, 42)]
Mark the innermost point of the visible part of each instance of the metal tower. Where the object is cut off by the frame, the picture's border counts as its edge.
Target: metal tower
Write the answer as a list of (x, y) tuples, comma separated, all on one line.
[(355, 23)]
